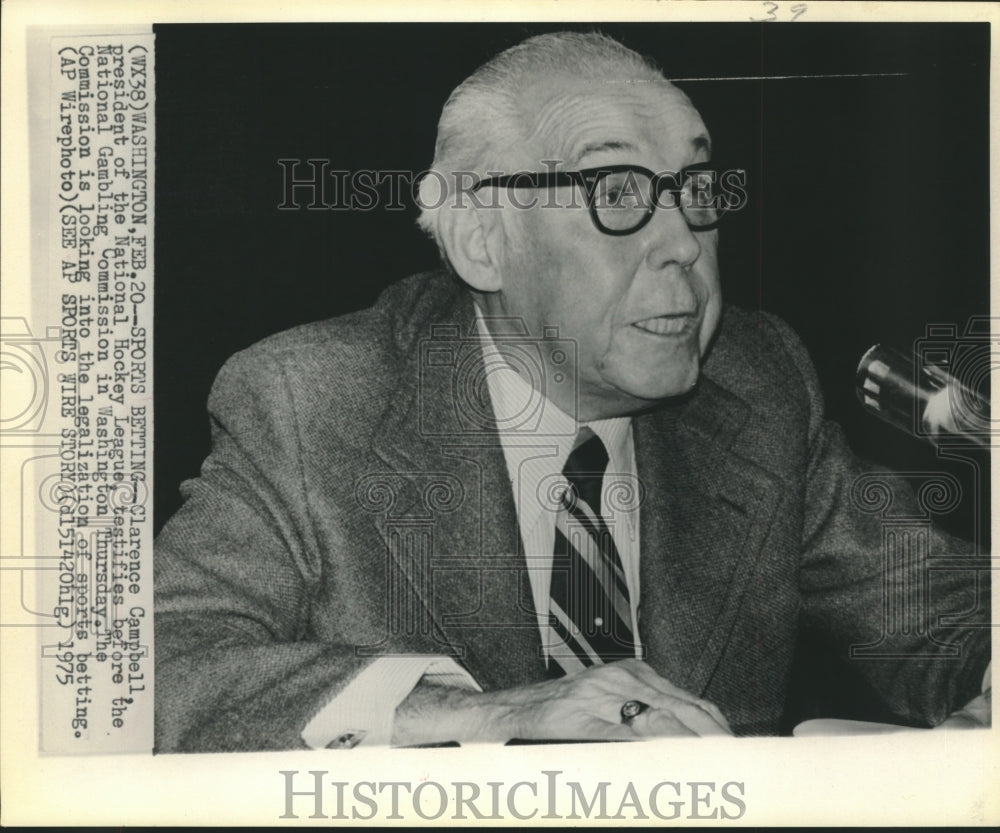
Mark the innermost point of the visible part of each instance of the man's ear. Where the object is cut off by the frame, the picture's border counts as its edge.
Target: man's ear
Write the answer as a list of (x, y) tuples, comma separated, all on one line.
[(472, 241)]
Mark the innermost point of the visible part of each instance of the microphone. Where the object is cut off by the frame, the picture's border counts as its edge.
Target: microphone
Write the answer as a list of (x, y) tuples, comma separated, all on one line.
[(926, 402)]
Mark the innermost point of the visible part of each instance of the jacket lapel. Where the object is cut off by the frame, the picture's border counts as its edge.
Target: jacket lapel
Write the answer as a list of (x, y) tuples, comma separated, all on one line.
[(705, 517), (443, 456), (703, 523)]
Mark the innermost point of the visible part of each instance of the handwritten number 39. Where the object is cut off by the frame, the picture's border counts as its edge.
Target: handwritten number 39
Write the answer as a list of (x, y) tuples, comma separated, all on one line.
[(772, 12)]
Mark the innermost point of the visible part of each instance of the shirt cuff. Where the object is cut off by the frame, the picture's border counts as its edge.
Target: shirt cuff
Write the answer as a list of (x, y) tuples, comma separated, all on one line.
[(365, 710)]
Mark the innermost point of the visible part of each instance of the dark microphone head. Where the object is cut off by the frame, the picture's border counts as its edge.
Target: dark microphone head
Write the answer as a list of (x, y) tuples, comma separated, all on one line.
[(925, 402)]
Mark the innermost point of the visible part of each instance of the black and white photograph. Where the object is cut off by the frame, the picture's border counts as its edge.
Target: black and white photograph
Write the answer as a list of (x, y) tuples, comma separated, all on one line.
[(509, 405)]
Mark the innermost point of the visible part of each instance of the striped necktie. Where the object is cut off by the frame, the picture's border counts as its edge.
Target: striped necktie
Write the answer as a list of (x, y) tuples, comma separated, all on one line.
[(590, 617)]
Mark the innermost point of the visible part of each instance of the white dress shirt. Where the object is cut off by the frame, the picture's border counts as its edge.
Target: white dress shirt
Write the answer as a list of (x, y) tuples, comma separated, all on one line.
[(535, 454)]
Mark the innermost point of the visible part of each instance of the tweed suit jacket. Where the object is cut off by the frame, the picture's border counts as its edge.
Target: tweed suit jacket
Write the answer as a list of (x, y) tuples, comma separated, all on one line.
[(355, 505)]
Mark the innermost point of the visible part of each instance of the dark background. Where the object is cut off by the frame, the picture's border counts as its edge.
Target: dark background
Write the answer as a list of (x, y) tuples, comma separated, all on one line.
[(868, 215)]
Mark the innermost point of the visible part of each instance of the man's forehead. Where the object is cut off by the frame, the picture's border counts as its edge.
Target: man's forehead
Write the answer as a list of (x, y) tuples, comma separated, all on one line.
[(572, 119)]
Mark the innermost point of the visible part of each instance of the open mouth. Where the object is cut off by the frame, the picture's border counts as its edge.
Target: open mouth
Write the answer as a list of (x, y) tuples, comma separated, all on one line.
[(667, 325)]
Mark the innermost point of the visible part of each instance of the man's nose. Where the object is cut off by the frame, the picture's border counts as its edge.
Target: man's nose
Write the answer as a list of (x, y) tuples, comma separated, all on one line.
[(673, 242)]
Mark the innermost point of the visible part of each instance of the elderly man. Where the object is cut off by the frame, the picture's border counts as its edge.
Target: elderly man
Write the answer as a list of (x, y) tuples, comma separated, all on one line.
[(555, 492)]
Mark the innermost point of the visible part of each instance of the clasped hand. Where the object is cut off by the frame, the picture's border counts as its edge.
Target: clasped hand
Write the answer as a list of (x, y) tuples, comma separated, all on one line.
[(583, 706)]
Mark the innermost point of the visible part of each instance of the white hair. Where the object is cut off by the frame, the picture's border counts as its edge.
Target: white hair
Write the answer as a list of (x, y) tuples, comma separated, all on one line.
[(481, 119)]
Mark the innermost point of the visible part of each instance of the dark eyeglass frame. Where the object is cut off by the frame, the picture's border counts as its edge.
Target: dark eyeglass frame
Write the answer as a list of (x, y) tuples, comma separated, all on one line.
[(589, 178)]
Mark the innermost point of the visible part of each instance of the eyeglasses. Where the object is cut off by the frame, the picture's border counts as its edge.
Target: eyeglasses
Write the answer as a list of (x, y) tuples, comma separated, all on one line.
[(623, 198)]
